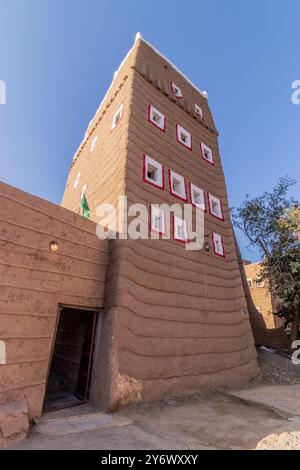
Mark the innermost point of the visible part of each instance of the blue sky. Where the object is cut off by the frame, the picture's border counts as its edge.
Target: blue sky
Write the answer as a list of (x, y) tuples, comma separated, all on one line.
[(57, 58)]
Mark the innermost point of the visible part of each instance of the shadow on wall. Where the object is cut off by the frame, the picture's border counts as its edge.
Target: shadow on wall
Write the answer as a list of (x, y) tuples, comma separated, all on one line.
[(275, 338)]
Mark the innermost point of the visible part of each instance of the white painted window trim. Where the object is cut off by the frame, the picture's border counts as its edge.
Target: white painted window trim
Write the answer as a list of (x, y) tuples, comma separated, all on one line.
[(119, 113), (157, 212), (151, 111), (181, 180), (176, 90), (218, 242), (198, 111), (182, 223), (193, 189), (94, 143), (159, 183), (182, 131), (260, 283), (76, 181), (209, 150), (84, 188), (215, 200)]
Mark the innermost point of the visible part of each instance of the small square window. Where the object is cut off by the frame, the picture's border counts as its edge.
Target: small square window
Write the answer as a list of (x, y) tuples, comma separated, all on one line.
[(76, 182), (260, 282), (218, 244), (215, 207), (153, 172), (180, 232), (207, 154), (250, 283), (156, 118), (197, 197), (117, 117), (198, 111), (176, 90), (158, 220), (94, 143), (177, 185), (184, 137)]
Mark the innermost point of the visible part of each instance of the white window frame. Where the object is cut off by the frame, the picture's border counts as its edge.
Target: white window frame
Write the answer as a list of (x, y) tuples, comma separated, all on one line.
[(182, 194), (204, 148), (217, 243), (159, 182), (83, 191), (94, 143), (76, 181), (180, 132), (260, 283), (194, 189), (158, 212), (178, 222), (212, 201), (176, 90), (198, 111), (152, 111), (250, 282), (119, 113)]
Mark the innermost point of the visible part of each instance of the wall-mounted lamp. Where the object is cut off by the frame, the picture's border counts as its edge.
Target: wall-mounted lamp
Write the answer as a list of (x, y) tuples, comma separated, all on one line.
[(54, 246), (207, 246)]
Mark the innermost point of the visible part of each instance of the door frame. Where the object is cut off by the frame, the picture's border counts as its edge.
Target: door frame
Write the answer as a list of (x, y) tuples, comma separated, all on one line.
[(60, 307)]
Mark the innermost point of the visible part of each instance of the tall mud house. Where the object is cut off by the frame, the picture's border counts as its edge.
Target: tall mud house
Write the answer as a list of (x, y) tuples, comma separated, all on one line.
[(179, 319), (121, 320)]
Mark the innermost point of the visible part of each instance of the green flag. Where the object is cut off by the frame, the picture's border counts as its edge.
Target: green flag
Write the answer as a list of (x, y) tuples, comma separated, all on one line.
[(85, 207)]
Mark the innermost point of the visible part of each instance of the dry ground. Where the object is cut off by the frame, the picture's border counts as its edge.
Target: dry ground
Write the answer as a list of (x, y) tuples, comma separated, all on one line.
[(221, 420)]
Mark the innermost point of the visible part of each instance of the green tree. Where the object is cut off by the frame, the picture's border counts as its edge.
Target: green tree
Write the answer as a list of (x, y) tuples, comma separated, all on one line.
[(271, 223)]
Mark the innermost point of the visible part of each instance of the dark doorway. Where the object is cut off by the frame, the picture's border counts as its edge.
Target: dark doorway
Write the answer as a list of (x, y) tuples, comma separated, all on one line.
[(70, 371)]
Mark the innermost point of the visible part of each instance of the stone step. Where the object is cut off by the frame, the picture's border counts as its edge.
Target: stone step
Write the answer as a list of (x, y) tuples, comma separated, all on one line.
[(14, 423), (78, 424)]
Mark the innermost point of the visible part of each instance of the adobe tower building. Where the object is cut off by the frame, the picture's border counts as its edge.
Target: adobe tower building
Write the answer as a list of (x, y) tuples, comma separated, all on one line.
[(174, 321)]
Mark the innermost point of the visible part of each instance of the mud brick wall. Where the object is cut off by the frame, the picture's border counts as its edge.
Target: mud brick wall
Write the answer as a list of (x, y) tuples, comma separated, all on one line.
[(179, 319), (34, 281)]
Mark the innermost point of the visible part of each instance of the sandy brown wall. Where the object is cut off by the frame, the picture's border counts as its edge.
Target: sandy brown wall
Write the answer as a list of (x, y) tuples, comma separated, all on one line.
[(261, 296), (182, 322), (272, 337), (178, 320), (103, 170), (34, 281)]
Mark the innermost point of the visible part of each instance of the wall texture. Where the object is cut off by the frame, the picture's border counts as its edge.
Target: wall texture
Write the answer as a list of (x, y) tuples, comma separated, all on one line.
[(34, 281), (183, 320), (272, 337)]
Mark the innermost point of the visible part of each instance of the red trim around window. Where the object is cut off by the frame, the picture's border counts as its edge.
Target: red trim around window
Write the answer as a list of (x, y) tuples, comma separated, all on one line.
[(172, 87), (150, 182), (216, 253), (153, 229), (180, 240), (175, 194), (200, 116), (163, 129), (179, 141), (202, 155), (113, 128), (204, 198), (209, 207)]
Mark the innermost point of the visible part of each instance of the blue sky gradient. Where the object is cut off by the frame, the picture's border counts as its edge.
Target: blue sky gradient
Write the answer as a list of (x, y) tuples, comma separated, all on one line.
[(57, 58)]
